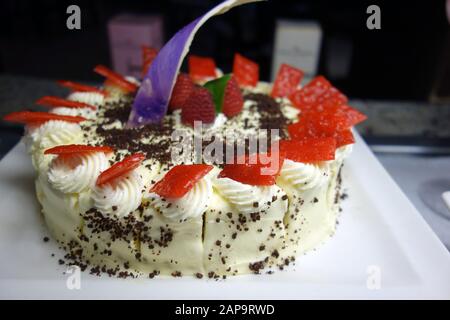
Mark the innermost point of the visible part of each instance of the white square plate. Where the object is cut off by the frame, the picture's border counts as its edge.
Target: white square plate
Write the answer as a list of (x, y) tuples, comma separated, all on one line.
[(382, 249)]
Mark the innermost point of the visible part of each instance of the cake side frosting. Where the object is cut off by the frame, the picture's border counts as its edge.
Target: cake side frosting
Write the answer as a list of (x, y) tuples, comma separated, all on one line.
[(222, 227)]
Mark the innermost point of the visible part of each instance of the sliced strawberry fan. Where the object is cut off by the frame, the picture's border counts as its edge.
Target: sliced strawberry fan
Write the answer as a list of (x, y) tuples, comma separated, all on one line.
[(120, 169), (51, 101), (113, 78), (254, 169), (180, 180), (37, 118), (245, 71), (74, 86)]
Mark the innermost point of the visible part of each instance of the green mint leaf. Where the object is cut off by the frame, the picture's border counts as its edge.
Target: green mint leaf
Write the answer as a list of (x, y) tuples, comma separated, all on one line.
[(217, 89)]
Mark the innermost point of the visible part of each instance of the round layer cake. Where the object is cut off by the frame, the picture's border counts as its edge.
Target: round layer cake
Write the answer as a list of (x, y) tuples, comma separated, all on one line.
[(220, 227)]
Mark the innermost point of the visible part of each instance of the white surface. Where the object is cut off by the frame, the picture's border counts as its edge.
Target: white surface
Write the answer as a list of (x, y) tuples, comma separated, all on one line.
[(379, 227), (423, 178)]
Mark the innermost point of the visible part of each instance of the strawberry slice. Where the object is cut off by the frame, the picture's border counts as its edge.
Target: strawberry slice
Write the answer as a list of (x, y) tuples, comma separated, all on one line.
[(181, 91), (353, 116), (319, 90), (343, 138), (72, 149), (50, 101), (198, 107), (254, 170), (74, 86), (116, 79), (38, 118), (121, 168), (180, 180), (233, 102), (287, 80), (201, 67), (148, 55), (245, 70), (334, 110), (322, 127), (309, 150)]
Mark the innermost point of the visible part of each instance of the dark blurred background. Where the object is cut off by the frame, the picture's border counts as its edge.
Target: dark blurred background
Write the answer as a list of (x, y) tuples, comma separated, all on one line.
[(400, 61)]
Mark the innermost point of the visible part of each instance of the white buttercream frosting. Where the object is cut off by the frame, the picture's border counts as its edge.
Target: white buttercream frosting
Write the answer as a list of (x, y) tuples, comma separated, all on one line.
[(304, 176), (343, 152), (77, 173), (244, 197), (191, 205), (54, 133), (83, 112), (121, 197), (92, 98)]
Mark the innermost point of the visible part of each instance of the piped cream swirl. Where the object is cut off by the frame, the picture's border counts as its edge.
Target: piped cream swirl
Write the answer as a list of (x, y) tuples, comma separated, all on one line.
[(53, 133), (121, 197), (246, 198), (304, 176), (191, 205), (84, 112), (92, 98), (77, 173)]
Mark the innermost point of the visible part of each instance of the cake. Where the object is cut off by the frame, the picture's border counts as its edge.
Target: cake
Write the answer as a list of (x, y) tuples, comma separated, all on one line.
[(230, 176)]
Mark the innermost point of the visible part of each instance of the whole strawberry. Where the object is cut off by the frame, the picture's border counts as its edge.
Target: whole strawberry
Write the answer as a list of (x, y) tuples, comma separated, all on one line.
[(181, 91), (198, 107), (232, 100)]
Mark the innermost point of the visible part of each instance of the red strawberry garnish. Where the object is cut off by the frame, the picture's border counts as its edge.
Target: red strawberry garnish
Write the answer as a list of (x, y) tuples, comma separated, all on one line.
[(324, 113), (115, 78), (80, 87), (254, 169), (332, 109), (317, 125), (245, 70), (322, 126), (319, 90), (198, 107), (73, 149), (50, 101), (38, 118), (287, 80), (181, 91), (232, 100), (180, 180), (148, 55), (309, 150), (201, 67), (120, 169), (344, 137)]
